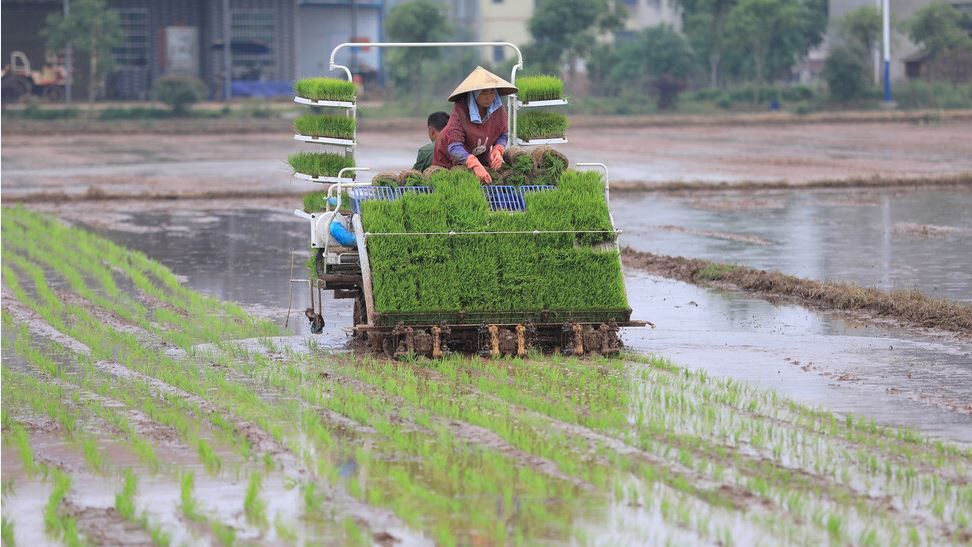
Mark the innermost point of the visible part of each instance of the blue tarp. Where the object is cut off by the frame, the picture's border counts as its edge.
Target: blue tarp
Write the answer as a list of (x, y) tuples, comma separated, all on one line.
[(268, 88)]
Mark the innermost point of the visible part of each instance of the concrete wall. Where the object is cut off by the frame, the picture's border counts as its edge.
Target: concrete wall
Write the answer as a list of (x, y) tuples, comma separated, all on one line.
[(503, 21), (321, 28)]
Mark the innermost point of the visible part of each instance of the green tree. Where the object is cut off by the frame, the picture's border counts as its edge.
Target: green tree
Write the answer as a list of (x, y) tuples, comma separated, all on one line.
[(179, 92), (862, 27), (567, 30), (418, 21), (704, 22), (90, 28), (758, 27), (940, 29), (845, 73), (659, 60)]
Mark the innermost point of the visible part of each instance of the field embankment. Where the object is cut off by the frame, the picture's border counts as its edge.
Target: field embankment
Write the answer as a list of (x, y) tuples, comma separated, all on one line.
[(909, 307)]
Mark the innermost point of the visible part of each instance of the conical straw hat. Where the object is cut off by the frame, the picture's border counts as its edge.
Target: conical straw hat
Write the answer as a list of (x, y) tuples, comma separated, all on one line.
[(482, 79)]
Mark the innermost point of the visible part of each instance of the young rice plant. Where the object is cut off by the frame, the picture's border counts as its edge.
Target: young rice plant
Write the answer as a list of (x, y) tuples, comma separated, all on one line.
[(336, 127), (539, 88), (540, 125), (325, 89)]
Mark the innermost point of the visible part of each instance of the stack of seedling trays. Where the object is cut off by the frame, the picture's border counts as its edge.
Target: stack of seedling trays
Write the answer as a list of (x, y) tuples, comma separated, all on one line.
[(548, 256), (331, 129), (536, 126)]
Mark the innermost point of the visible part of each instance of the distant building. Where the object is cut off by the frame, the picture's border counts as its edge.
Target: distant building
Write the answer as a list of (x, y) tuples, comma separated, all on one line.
[(906, 57), (273, 41)]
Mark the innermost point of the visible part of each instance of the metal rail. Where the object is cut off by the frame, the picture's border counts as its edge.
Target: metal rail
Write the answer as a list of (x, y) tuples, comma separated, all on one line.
[(511, 107)]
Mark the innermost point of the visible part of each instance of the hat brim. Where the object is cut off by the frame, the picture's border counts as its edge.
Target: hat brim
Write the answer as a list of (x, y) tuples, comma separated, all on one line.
[(480, 79)]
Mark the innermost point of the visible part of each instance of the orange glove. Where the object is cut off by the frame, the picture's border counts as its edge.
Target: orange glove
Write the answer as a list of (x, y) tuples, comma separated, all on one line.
[(496, 156), (472, 162)]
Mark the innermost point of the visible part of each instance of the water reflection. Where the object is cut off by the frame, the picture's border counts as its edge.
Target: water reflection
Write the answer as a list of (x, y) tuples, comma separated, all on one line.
[(878, 238)]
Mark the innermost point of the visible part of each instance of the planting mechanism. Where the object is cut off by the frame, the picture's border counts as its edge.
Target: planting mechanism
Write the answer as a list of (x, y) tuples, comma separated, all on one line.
[(343, 267)]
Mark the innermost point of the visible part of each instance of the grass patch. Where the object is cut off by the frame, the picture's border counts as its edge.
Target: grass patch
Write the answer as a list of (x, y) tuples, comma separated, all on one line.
[(319, 164), (540, 125), (325, 89), (539, 88), (494, 273), (326, 125), (714, 272)]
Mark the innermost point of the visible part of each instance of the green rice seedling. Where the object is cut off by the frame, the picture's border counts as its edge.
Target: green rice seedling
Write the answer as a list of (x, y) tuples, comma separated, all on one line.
[(534, 125), (187, 502), (7, 532), (125, 499), (22, 441), (325, 89), (315, 202), (539, 88), (54, 523), (353, 534), (325, 125), (319, 164), (254, 507), (224, 533), (286, 533)]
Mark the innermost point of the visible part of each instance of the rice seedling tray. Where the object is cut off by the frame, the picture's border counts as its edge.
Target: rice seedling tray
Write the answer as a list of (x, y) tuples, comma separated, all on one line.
[(321, 102), (322, 179), (537, 104), (538, 142), (326, 140), (325, 89)]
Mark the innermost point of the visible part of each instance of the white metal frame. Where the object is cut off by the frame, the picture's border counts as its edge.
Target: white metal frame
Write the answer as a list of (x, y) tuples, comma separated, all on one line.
[(339, 184), (511, 99)]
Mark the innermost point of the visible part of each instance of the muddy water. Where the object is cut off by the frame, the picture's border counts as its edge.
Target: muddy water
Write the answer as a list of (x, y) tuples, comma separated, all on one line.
[(892, 239), (894, 377)]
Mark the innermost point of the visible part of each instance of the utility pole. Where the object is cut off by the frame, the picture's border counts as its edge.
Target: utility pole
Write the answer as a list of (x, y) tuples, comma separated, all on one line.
[(876, 54), (68, 60), (227, 56), (354, 36), (887, 50)]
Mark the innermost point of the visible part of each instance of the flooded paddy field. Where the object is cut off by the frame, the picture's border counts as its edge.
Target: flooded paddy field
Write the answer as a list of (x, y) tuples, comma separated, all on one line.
[(886, 238), (243, 251), (132, 415)]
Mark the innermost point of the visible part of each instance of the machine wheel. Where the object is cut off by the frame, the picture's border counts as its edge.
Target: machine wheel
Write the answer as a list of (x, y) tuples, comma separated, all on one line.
[(15, 87)]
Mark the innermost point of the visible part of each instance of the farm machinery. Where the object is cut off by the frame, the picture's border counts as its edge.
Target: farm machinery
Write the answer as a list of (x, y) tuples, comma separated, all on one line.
[(436, 263), (20, 80)]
